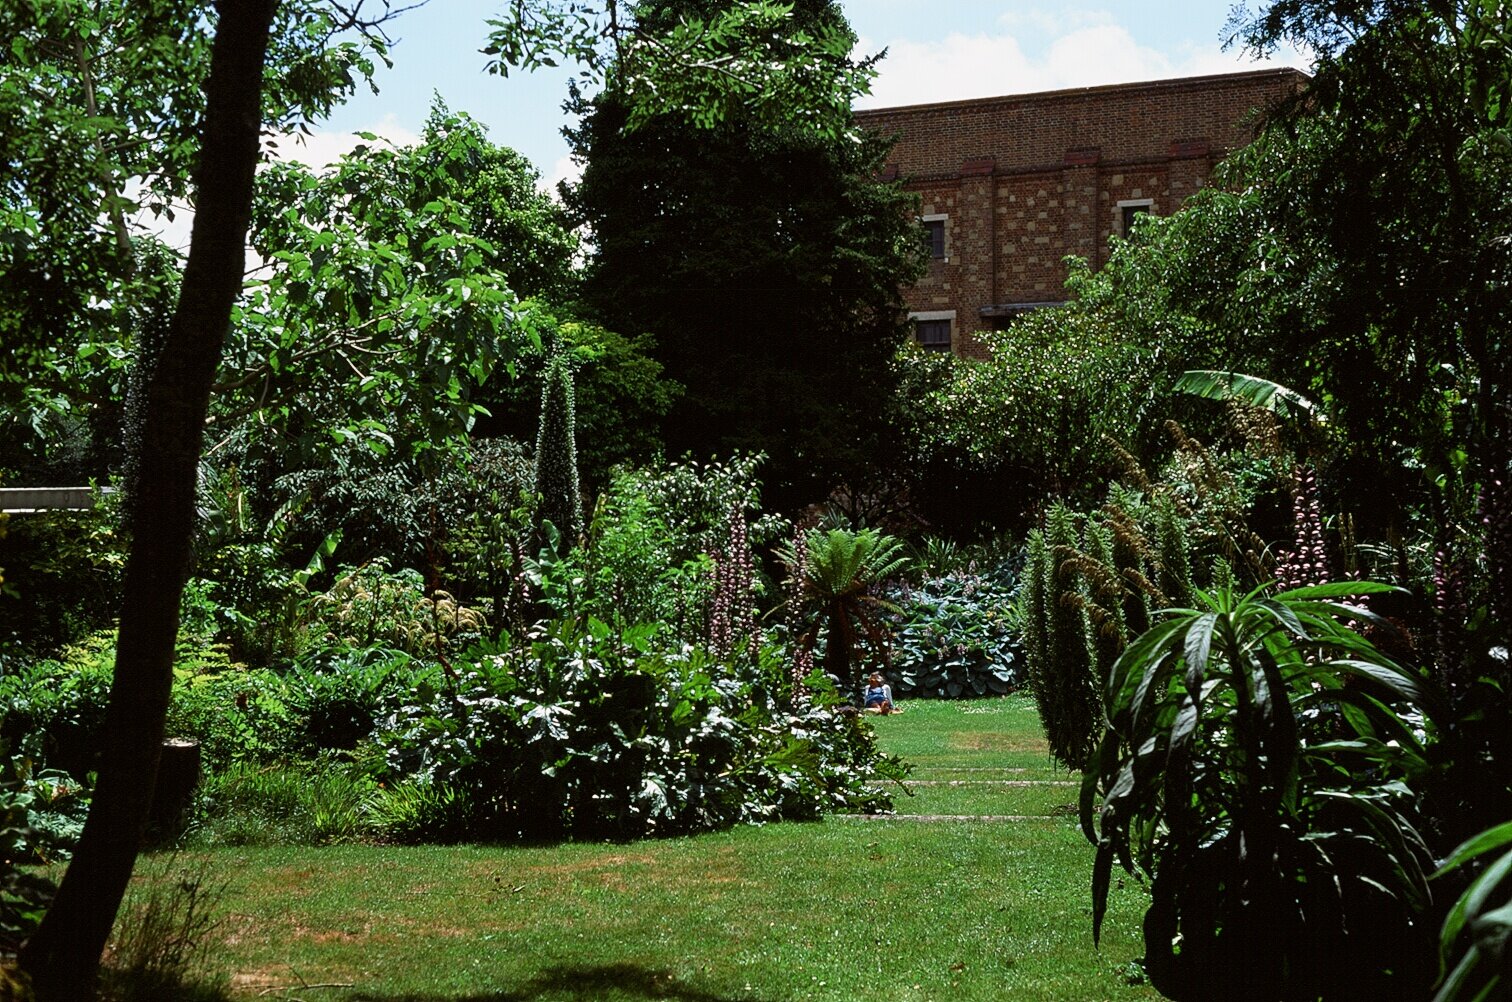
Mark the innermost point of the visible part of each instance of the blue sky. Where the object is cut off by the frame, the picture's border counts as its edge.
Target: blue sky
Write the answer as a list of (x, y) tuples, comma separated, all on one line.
[(937, 50)]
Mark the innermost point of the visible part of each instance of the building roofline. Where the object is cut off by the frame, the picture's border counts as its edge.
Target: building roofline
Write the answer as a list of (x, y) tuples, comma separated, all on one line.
[(1172, 83)]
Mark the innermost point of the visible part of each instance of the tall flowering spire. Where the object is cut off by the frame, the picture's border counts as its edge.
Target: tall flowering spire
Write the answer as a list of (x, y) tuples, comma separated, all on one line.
[(803, 658), (1306, 562), (1496, 522), (732, 616), (1451, 606)]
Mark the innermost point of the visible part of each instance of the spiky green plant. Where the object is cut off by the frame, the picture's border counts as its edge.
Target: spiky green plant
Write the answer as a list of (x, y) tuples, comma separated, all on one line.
[(556, 473), (1060, 658), (835, 582), (1255, 767)]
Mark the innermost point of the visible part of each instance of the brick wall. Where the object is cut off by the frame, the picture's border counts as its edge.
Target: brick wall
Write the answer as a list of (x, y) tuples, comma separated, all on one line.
[(1027, 179)]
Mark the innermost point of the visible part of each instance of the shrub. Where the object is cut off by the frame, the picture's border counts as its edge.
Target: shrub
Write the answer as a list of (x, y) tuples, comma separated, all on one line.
[(837, 582), (1255, 766), (339, 696), (62, 580), (371, 605), (24, 895), (590, 733), (238, 715), (61, 702), (955, 636)]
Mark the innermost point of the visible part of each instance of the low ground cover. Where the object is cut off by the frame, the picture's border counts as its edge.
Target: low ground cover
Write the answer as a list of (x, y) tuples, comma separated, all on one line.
[(849, 907)]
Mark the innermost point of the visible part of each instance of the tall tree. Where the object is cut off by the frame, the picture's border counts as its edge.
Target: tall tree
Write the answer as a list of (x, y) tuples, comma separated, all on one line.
[(763, 255), (100, 107), (1390, 180), (63, 956)]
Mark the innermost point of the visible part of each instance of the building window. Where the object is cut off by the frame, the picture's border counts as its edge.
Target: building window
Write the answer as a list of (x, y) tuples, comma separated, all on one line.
[(1130, 209), (933, 332), (934, 237)]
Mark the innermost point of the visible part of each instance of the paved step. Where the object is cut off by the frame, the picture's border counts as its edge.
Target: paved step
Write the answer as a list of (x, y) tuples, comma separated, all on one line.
[(949, 817), (991, 782)]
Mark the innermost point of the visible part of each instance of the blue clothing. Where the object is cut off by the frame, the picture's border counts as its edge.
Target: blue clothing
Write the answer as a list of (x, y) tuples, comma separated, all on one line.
[(876, 696)]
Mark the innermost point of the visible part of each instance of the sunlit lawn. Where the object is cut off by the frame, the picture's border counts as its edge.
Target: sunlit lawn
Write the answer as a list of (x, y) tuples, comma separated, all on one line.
[(842, 909)]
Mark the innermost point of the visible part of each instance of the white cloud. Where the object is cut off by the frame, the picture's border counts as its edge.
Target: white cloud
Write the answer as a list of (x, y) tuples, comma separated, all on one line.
[(962, 66), (565, 169), (1056, 21), (321, 149)]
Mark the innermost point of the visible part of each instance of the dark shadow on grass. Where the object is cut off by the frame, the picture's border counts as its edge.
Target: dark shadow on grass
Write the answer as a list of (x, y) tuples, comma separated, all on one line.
[(584, 984)]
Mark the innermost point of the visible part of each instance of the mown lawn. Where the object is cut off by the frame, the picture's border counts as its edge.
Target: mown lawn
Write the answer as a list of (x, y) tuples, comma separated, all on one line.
[(913, 908)]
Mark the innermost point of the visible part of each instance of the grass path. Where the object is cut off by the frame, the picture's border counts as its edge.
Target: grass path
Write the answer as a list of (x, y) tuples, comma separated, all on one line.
[(884, 909)]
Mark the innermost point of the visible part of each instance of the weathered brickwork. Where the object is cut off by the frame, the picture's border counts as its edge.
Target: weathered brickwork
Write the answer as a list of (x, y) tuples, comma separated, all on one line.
[(1022, 181)]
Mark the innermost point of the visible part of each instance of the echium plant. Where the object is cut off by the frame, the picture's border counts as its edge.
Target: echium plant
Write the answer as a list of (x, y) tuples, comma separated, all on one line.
[(1057, 639), (1255, 766), (1306, 562), (556, 474), (732, 613)]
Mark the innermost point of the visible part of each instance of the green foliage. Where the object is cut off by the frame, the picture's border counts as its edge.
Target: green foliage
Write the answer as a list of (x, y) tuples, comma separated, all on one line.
[(416, 810), (837, 584), (591, 733), (369, 605), (61, 703), (556, 474), (776, 64), (621, 395), (646, 556), (955, 635), (1253, 390), (386, 306), (1476, 928), (25, 798), (764, 259), (1058, 653), (63, 579), (1041, 407), (1255, 765), (340, 695), (310, 803), (100, 111)]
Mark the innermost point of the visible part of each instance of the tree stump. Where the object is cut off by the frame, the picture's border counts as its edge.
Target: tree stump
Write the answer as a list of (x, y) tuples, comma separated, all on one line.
[(178, 777)]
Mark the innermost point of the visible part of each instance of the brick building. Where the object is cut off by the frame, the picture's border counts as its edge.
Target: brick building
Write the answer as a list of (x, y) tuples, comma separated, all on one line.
[(1011, 185)]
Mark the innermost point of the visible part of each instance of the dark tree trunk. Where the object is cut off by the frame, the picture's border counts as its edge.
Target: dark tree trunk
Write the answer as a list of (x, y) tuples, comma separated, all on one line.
[(178, 776), (63, 956)]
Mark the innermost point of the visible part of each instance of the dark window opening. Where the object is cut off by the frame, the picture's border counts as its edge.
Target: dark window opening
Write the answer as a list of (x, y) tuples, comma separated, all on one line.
[(934, 238), (1129, 212), (933, 335)]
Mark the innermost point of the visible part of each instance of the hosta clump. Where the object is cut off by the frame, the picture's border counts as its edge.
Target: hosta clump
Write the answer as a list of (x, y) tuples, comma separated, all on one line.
[(589, 733), (955, 636)]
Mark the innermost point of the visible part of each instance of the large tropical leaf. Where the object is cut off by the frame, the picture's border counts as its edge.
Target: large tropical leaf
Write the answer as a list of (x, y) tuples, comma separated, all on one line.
[(1253, 390)]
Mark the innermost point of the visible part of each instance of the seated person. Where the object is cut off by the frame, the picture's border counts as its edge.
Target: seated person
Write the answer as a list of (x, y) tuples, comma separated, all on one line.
[(877, 696)]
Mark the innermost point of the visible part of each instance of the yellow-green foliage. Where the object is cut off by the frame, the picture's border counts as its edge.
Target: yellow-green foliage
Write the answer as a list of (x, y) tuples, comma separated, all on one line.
[(369, 605), (14, 986)]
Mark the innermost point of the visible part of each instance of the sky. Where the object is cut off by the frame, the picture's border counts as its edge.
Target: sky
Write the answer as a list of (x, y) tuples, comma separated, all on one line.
[(937, 50)]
